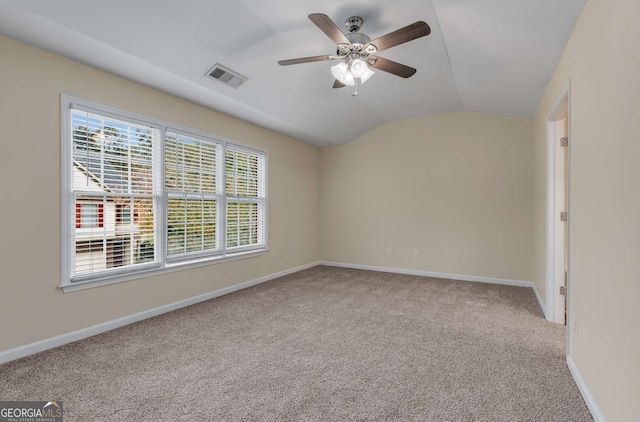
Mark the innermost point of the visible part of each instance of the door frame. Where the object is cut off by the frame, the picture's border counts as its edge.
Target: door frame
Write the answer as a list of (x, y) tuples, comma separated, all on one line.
[(555, 205)]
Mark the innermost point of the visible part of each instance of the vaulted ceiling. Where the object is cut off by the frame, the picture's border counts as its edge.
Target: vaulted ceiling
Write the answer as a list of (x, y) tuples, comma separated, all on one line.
[(492, 56)]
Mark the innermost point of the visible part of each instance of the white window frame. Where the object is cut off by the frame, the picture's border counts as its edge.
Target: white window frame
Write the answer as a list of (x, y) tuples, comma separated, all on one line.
[(260, 201), (218, 197), (165, 263)]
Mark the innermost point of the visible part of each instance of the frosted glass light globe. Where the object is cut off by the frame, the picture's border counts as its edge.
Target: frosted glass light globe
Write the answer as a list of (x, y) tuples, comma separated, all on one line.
[(358, 68), (369, 73), (340, 71), (349, 80)]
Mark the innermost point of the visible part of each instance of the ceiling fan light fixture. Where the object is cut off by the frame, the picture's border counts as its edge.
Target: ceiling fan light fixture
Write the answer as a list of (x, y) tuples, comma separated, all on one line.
[(349, 80), (340, 71), (369, 73), (358, 68)]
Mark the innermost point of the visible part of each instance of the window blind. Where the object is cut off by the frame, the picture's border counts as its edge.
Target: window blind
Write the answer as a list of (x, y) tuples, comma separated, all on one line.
[(112, 168), (191, 181), (245, 190), (141, 194)]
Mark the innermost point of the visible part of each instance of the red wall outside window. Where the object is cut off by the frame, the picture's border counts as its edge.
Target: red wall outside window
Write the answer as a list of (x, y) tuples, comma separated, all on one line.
[(79, 216)]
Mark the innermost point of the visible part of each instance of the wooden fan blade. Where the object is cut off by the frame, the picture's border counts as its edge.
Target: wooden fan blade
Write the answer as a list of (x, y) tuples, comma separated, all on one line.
[(392, 67), (401, 36), (327, 26), (338, 84), (304, 60)]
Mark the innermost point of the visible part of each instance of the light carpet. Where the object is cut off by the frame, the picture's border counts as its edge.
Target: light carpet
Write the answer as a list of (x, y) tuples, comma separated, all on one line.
[(321, 344)]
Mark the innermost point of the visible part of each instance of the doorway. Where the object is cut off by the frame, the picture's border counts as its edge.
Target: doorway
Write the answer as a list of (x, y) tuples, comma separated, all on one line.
[(558, 177)]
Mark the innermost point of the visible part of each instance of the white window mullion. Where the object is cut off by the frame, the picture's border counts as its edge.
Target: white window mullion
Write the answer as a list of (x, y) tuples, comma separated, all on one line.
[(186, 224), (129, 172), (157, 152), (202, 231), (200, 189), (105, 242), (221, 188), (132, 238), (262, 220)]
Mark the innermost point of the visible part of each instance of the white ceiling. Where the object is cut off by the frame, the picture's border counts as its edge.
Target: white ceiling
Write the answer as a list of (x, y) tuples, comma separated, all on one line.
[(493, 56)]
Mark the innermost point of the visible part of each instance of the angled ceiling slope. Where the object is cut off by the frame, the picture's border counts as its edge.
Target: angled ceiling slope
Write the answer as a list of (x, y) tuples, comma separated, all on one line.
[(494, 56)]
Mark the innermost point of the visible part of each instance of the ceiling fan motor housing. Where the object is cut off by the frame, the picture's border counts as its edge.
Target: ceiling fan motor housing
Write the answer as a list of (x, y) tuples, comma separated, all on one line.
[(358, 38)]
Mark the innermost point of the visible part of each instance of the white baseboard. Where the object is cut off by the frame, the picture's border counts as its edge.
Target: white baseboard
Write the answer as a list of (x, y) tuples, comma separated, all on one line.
[(540, 302), (50, 343), (477, 279), (39, 346), (584, 390)]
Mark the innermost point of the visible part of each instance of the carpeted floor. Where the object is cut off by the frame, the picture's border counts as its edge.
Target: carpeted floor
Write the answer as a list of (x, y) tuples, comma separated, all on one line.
[(322, 344)]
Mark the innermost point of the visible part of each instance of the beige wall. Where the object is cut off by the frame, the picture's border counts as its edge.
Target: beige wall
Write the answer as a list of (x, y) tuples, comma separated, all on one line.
[(466, 189), (31, 306), (456, 186), (602, 60)]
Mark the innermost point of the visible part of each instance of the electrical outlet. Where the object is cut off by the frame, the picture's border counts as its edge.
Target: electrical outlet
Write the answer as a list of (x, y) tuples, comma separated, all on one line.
[(387, 252), (416, 253), (273, 257)]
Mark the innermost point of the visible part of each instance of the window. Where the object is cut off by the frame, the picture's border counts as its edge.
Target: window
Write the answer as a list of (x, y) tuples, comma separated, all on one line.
[(111, 167), (245, 198), (145, 195), (191, 181), (89, 215)]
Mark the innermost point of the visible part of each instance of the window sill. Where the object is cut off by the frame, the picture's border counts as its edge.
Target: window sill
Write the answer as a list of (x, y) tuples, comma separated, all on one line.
[(169, 268)]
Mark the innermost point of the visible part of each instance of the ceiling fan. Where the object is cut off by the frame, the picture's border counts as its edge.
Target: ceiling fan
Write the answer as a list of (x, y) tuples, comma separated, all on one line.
[(356, 51)]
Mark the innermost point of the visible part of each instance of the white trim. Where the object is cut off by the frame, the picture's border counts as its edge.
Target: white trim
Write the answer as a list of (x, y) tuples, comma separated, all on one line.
[(65, 187), (169, 268), (477, 279), (540, 302), (584, 390), (50, 343), (555, 252), (472, 278)]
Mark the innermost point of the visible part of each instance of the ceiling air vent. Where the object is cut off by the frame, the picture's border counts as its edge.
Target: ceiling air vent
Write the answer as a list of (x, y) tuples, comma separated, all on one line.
[(226, 76)]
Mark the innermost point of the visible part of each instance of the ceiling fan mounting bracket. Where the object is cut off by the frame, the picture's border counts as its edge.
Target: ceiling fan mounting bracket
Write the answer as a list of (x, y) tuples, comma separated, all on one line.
[(354, 23)]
